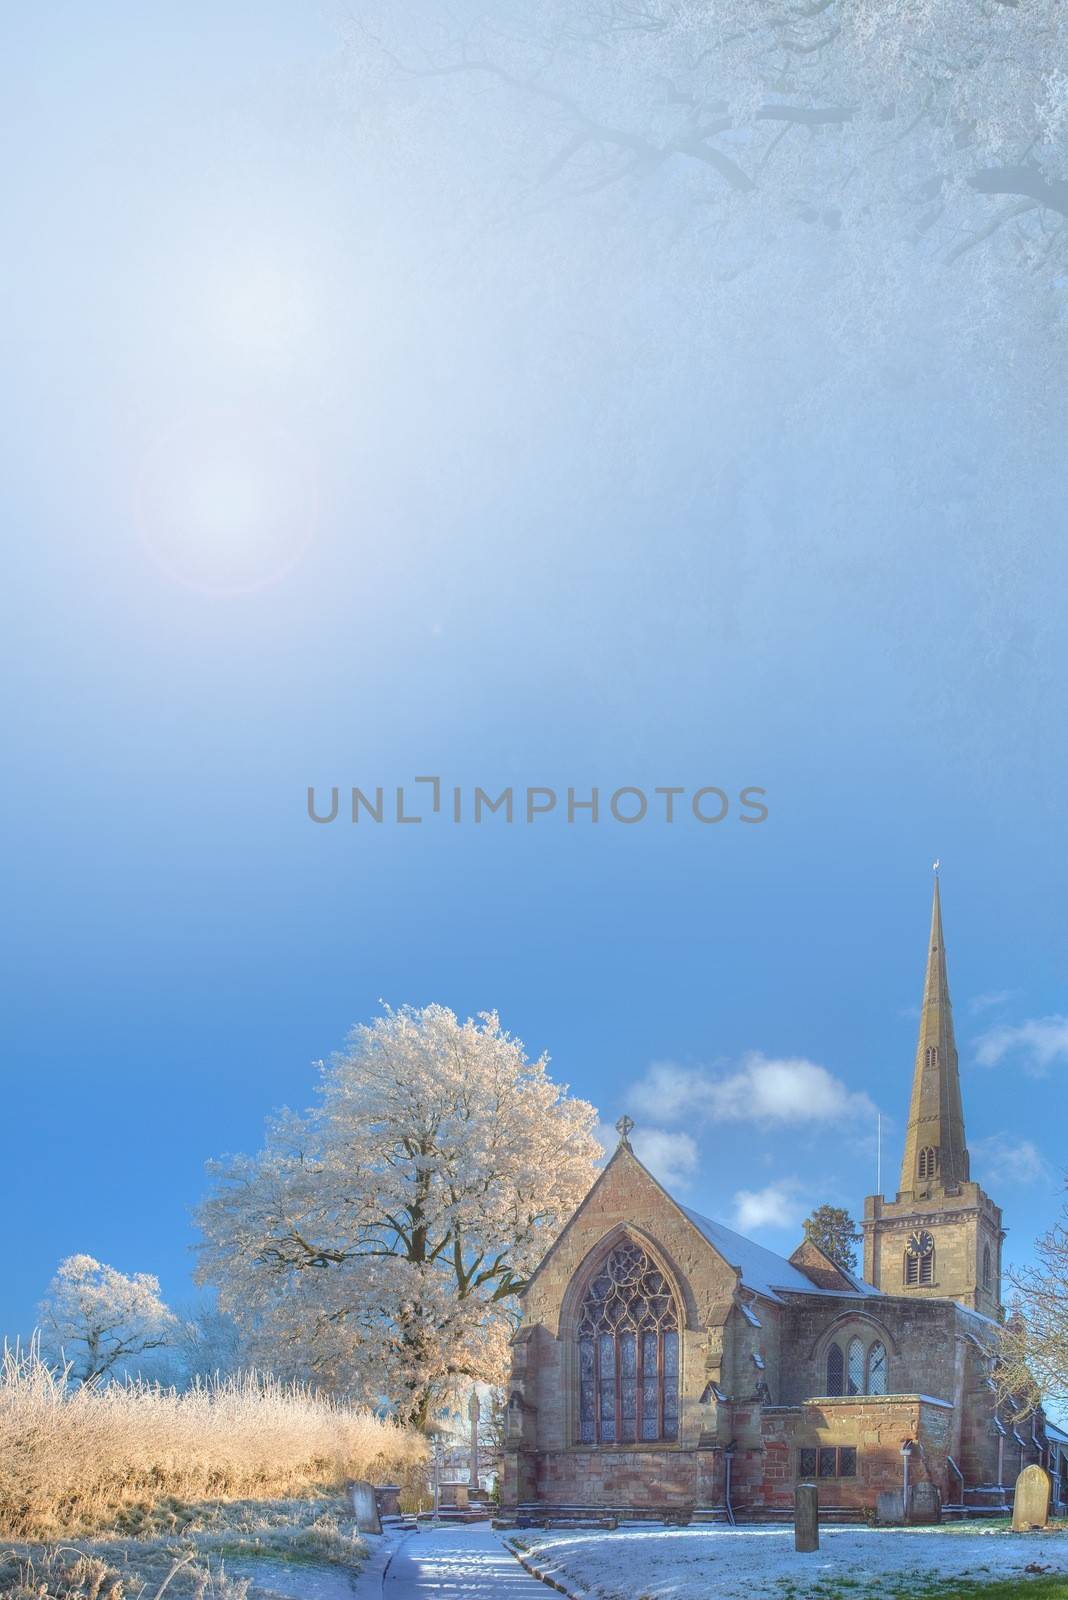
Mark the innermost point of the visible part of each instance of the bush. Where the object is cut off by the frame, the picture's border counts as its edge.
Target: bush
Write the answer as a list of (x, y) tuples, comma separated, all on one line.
[(74, 1459)]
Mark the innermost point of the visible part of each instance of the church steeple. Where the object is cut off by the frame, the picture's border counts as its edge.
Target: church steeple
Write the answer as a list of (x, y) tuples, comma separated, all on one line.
[(940, 1237), (936, 1156)]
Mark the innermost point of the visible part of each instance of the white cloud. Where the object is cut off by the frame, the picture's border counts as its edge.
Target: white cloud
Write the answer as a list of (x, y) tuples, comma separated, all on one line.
[(1003, 1160), (777, 1206), (987, 1002), (670, 1157), (1042, 1041), (784, 1090)]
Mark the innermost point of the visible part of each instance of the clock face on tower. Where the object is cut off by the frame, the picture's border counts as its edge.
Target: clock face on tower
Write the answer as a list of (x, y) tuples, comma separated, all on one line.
[(919, 1244)]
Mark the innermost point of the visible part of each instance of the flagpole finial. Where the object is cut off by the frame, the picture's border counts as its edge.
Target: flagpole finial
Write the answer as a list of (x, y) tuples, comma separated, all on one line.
[(936, 864), (623, 1128)]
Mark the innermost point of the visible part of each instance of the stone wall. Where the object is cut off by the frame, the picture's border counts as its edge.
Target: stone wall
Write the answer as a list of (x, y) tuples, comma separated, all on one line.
[(920, 1338), (876, 1428)]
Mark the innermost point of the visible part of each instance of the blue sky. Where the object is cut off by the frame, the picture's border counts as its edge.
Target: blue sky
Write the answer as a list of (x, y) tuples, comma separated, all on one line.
[(298, 495)]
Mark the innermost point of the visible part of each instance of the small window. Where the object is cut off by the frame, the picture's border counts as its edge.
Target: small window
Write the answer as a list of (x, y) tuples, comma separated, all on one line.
[(828, 1461), (988, 1268), (835, 1370), (928, 1167), (877, 1368), (855, 1370), (930, 1056)]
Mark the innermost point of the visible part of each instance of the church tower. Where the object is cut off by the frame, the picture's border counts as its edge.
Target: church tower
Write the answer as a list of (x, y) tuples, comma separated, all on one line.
[(941, 1237)]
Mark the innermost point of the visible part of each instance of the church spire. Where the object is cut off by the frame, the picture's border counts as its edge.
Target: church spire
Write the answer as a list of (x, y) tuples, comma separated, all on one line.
[(936, 1156)]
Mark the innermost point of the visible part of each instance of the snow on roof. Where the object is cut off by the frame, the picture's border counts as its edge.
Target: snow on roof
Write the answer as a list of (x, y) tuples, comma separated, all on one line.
[(762, 1270)]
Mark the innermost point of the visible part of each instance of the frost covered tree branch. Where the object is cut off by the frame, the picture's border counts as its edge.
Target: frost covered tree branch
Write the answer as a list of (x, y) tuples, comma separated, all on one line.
[(882, 110)]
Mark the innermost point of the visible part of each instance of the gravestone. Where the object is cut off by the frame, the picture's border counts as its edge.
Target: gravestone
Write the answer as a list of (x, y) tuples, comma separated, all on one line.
[(925, 1503), (365, 1506), (1030, 1503), (890, 1506), (806, 1517), (388, 1497)]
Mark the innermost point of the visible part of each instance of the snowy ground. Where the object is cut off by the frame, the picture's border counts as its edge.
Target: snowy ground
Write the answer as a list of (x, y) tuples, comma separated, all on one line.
[(235, 1550), (761, 1563)]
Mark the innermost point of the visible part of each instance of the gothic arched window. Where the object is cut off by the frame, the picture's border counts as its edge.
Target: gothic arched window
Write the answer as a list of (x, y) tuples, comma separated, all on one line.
[(835, 1370), (931, 1056), (988, 1269), (855, 1368), (877, 1369), (929, 1161), (628, 1349)]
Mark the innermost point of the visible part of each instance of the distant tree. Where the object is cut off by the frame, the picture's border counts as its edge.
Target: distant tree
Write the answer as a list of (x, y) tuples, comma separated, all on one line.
[(833, 1229), (97, 1319), (377, 1243), (1033, 1352), (207, 1344)]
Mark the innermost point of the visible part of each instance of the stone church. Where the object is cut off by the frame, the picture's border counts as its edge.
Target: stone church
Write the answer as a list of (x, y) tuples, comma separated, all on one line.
[(667, 1366)]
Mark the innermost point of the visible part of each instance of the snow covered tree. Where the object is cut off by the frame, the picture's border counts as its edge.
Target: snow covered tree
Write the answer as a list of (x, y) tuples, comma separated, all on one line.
[(98, 1319), (207, 1344), (916, 129), (376, 1243), (1034, 1341), (833, 1229)]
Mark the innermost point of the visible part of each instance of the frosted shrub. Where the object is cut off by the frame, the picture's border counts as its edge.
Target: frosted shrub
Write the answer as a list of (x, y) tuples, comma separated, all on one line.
[(72, 1458)]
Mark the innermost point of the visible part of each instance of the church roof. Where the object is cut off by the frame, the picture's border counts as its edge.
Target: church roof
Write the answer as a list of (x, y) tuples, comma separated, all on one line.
[(762, 1270)]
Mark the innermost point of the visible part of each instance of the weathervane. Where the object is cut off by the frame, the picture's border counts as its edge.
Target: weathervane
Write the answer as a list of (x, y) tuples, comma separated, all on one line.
[(623, 1127), (935, 864)]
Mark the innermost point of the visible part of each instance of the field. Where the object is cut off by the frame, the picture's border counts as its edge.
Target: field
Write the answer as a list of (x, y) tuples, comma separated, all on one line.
[(76, 1460)]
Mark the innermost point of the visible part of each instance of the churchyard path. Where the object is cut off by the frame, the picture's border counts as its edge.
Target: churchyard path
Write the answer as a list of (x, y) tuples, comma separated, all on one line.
[(457, 1563)]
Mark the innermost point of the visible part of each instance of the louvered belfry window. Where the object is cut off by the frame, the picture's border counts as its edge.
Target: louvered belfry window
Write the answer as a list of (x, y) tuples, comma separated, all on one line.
[(929, 1161), (628, 1348)]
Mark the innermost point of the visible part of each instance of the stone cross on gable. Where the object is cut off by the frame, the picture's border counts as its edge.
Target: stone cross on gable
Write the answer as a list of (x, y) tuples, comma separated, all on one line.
[(623, 1127)]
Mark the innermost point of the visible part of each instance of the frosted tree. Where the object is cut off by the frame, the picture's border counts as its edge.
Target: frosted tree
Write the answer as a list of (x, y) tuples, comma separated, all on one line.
[(1034, 1341), (207, 1344), (913, 129), (377, 1242), (97, 1320)]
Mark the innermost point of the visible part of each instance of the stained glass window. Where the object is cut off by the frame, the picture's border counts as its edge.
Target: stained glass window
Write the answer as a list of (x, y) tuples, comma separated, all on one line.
[(835, 1370), (855, 1383), (628, 1343)]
